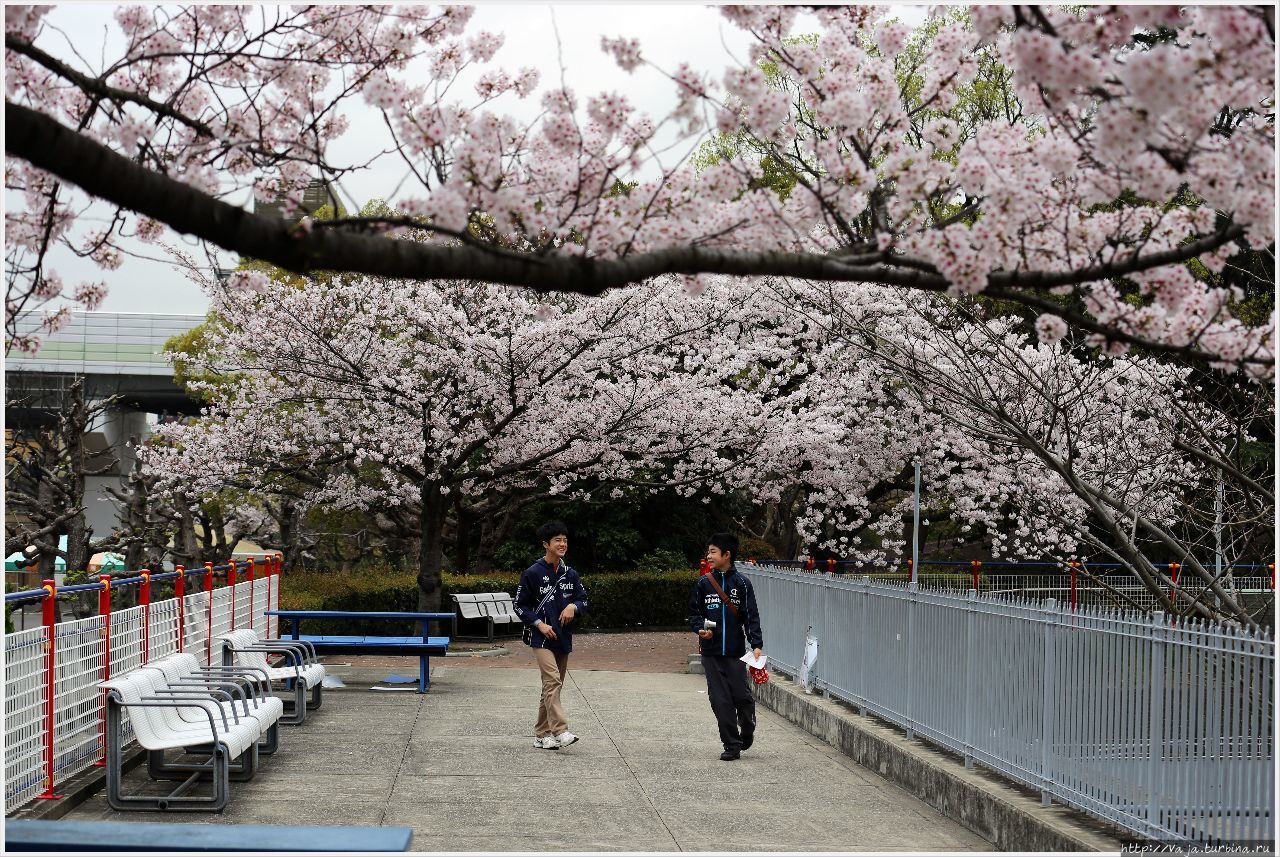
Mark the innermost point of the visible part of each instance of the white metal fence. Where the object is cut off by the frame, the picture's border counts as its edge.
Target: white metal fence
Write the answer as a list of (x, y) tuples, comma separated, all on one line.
[(1162, 727), (84, 651)]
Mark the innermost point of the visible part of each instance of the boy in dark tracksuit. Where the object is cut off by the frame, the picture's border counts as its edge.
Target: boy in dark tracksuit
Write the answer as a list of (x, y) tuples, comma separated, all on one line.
[(550, 620), (723, 646)]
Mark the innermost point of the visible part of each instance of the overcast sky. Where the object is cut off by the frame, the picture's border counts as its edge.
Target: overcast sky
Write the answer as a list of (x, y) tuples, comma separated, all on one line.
[(668, 32)]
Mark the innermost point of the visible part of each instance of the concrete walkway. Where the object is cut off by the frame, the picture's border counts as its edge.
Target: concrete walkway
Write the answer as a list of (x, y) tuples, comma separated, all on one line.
[(458, 766)]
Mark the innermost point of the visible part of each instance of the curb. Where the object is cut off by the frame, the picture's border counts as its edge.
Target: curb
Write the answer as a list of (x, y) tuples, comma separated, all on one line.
[(483, 653), (1006, 815), (75, 791)]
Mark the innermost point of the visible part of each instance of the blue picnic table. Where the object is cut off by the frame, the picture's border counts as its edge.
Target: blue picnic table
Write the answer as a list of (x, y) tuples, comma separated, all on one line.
[(423, 646)]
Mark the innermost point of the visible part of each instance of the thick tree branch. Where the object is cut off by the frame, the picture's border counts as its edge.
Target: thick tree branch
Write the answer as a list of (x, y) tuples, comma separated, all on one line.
[(103, 173)]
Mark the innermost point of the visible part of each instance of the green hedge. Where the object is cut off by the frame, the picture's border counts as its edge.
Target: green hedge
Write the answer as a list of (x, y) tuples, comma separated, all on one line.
[(618, 600)]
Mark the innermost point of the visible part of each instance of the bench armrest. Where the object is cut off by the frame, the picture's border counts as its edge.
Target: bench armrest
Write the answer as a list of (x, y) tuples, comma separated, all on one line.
[(232, 691), (251, 687), (159, 703), (212, 697), (248, 686), (294, 657), (189, 702), (255, 677), (308, 650)]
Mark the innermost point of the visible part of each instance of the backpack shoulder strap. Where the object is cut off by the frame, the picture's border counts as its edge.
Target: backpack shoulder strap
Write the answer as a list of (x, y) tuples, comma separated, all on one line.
[(725, 598)]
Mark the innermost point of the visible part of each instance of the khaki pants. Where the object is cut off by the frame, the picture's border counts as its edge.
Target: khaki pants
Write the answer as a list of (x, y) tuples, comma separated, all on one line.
[(553, 666)]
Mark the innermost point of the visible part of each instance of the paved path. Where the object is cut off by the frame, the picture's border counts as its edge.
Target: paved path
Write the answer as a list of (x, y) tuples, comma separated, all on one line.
[(458, 766)]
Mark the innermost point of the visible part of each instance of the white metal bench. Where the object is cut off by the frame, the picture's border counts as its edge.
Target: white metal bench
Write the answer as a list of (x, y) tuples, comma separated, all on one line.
[(190, 715), (503, 609), (493, 608), (300, 668), (246, 690)]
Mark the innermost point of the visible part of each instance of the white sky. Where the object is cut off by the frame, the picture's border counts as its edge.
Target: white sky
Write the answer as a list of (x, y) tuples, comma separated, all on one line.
[(668, 32)]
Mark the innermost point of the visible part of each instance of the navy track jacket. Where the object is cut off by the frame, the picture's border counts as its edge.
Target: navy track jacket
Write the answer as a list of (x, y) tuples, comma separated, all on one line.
[(535, 583), (727, 636)]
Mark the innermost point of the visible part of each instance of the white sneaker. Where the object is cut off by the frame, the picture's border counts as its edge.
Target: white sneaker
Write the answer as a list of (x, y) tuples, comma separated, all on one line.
[(564, 739), (546, 743)]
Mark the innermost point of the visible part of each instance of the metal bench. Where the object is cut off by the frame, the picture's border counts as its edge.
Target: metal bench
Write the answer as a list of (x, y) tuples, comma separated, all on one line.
[(300, 669), (502, 609), (492, 608), (205, 711), (423, 647), (97, 836)]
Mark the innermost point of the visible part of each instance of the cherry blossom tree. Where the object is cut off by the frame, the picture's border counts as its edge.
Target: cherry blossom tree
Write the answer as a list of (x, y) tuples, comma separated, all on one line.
[(410, 395), (1051, 450), (1142, 140)]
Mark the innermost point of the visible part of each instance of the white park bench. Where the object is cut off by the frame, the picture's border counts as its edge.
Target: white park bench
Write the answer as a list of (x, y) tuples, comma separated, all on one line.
[(492, 608), (173, 704), (300, 669)]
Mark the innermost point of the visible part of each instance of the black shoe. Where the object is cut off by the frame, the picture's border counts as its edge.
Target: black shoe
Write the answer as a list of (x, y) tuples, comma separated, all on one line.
[(730, 755), (748, 739)]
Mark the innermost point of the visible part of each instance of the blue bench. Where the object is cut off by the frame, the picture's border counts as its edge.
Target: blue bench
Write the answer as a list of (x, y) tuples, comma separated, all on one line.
[(424, 647), (96, 836)]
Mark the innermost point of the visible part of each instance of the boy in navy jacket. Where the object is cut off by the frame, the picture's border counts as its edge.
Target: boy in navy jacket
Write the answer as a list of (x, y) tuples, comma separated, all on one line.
[(551, 583), (723, 644)]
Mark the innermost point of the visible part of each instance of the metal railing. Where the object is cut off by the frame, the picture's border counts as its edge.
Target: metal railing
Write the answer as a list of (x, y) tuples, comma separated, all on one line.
[(1095, 584), (54, 708), (1161, 726)]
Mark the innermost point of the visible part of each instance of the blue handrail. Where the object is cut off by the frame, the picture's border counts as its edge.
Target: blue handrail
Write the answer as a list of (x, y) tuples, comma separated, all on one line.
[(118, 578)]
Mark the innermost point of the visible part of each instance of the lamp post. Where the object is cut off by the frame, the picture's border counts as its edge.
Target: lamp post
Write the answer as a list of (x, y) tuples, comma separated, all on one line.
[(915, 531)]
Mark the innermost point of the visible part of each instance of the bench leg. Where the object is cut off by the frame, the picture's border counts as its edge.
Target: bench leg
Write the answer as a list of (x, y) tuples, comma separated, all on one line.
[(241, 771), (316, 696), (269, 743), (424, 673)]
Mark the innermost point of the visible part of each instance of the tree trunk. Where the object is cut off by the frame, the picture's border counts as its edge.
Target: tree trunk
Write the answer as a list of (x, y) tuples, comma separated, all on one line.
[(289, 520), (186, 550), (431, 555), (463, 539), (44, 494)]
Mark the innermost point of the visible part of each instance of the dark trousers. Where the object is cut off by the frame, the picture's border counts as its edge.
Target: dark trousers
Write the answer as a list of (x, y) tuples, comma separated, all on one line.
[(731, 699)]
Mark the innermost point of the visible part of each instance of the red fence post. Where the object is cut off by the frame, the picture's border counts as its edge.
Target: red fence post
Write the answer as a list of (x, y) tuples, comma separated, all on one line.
[(975, 566), (248, 574), (208, 589), (809, 564), (104, 610), (144, 592), (831, 565), (180, 591), (1075, 568), (1272, 566), (231, 585), (1173, 575), (911, 571), (279, 569), (51, 631)]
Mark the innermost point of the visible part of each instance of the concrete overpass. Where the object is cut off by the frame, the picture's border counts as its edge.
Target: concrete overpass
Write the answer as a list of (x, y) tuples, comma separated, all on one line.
[(117, 354)]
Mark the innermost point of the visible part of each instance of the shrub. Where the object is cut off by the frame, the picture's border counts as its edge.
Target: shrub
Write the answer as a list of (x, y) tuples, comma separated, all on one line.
[(663, 559)]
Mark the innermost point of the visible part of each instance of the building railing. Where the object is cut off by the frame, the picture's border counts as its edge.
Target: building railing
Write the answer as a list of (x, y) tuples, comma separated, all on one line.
[(1163, 727), (54, 709)]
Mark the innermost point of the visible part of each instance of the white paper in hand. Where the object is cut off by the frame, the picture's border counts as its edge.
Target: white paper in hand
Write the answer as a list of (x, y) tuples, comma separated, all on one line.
[(752, 661)]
